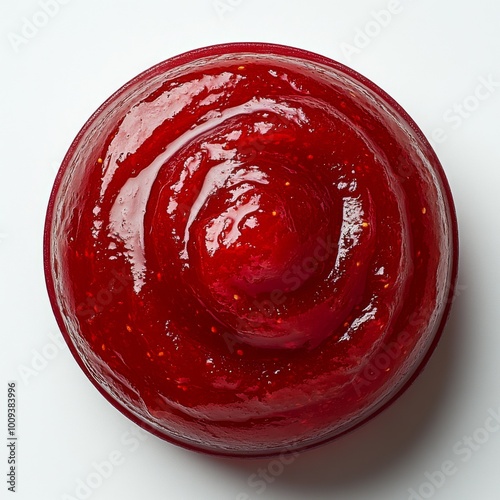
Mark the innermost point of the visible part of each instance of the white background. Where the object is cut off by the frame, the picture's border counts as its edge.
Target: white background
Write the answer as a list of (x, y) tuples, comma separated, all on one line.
[(431, 57)]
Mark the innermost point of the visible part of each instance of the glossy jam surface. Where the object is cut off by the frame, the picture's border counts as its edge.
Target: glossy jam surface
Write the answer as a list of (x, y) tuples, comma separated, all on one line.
[(250, 252)]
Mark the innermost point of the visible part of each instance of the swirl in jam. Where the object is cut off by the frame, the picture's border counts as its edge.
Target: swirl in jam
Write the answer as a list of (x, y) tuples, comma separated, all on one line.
[(250, 252)]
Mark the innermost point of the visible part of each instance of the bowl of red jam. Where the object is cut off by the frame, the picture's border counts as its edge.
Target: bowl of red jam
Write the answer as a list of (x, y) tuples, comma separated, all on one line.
[(250, 248)]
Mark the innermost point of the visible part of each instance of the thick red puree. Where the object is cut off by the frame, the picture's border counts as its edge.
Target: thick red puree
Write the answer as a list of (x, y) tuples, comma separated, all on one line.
[(250, 252)]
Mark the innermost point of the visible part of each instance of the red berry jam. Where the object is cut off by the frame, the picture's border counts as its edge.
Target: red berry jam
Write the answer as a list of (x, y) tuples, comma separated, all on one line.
[(250, 248)]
